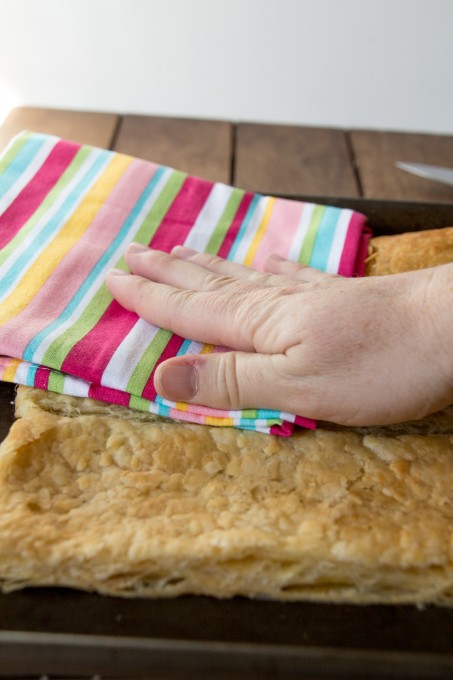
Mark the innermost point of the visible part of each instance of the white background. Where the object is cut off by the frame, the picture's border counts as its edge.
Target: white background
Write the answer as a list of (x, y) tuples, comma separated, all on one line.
[(348, 63)]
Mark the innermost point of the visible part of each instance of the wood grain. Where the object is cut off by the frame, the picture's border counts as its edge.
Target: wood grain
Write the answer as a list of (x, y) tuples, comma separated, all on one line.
[(85, 127), (376, 153), (199, 147), (294, 161)]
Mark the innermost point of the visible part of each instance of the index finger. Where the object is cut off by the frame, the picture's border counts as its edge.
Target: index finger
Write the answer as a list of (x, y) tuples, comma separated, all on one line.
[(228, 317)]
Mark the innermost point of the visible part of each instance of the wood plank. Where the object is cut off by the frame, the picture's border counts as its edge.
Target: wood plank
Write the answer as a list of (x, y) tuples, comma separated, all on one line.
[(199, 147), (85, 127), (293, 160), (376, 152)]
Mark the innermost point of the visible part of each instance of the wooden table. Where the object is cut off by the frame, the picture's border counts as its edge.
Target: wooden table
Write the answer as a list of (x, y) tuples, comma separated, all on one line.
[(276, 159)]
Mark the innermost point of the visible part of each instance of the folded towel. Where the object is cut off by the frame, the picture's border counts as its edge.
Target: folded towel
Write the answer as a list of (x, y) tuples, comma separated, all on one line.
[(67, 214)]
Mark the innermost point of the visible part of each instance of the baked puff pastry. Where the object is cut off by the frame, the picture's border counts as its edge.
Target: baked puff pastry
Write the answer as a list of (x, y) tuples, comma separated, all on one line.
[(409, 251), (103, 498), (161, 509)]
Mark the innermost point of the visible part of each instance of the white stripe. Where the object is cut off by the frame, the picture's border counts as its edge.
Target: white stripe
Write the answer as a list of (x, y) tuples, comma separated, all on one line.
[(201, 232), (287, 416), (251, 230), (121, 366), (301, 232), (33, 237), (37, 357), (194, 348), (339, 238), (21, 373), (75, 387), (27, 174)]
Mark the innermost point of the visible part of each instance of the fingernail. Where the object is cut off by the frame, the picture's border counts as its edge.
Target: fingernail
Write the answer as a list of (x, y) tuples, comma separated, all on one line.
[(180, 383), (183, 252), (117, 272), (276, 257), (136, 248)]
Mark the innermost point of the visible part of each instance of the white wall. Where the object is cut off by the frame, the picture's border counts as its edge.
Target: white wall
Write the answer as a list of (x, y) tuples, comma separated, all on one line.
[(347, 63)]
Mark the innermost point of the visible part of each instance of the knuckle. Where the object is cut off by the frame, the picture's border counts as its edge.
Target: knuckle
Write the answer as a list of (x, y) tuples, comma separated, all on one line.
[(140, 292), (215, 282), (228, 380), (205, 260), (176, 302), (289, 289), (258, 277)]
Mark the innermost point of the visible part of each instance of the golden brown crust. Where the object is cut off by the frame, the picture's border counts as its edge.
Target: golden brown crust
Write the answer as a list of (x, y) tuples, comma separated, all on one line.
[(410, 251), (156, 509)]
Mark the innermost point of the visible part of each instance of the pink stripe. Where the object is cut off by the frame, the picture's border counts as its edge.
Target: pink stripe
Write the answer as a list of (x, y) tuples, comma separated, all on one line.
[(42, 378), (182, 214), (285, 219), (305, 422), (284, 430), (235, 225), (89, 357), (351, 245), (109, 395), (188, 416), (362, 251), (73, 269), (32, 195), (171, 350), (4, 363)]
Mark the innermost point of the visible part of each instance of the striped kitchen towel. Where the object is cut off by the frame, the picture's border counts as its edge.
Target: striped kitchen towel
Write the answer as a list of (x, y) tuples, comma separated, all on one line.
[(67, 214)]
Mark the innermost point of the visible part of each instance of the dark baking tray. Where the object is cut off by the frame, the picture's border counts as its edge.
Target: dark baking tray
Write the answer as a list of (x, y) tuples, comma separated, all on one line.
[(64, 633)]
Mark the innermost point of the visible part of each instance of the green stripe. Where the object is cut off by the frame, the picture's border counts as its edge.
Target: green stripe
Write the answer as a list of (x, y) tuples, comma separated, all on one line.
[(160, 208), (249, 413), (139, 403), (56, 382), (310, 237), (16, 146), (224, 222), (51, 197), (148, 360), (62, 345)]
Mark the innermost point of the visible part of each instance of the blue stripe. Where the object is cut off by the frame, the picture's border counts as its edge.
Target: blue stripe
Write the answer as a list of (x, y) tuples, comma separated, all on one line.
[(31, 373), (268, 415), (163, 410), (97, 269), (184, 347), (244, 225), (20, 162), (324, 238), (53, 225)]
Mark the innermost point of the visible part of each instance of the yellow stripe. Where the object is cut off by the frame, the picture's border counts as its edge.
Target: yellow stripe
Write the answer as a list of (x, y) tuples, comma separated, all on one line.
[(72, 231), (227, 422), (207, 349), (10, 371), (182, 406), (259, 233)]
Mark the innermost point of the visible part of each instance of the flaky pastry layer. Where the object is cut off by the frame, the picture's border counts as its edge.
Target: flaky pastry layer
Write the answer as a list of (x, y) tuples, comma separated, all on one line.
[(157, 509), (410, 251)]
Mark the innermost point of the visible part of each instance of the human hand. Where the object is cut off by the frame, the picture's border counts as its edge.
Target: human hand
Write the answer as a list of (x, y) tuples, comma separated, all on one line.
[(352, 351)]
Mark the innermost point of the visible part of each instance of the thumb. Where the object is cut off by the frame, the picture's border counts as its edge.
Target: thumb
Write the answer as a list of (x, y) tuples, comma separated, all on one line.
[(227, 380)]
